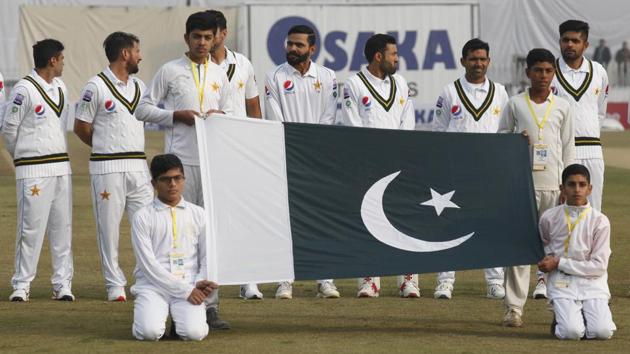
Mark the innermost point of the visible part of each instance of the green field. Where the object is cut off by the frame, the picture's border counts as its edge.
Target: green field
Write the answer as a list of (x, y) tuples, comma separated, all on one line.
[(469, 323)]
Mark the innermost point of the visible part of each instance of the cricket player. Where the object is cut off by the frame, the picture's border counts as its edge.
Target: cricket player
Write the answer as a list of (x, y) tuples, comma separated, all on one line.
[(471, 104), (35, 136), (188, 88), (169, 243), (118, 170), (584, 83), (547, 121), (377, 97), (302, 91), (577, 247)]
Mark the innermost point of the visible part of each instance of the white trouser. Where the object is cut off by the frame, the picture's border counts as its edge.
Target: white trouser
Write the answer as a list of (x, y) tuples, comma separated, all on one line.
[(151, 309), (194, 194), (399, 280), (112, 194), (517, 277), (596, 169), (44, 206), (493, 276), (576, 318)]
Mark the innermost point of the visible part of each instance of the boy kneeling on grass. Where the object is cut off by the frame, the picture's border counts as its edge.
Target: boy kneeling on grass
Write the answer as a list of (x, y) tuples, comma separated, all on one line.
[(577, 244)]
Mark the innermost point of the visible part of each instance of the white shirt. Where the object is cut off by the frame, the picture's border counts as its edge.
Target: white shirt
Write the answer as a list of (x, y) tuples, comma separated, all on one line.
[(557, 134), (34, 128), (470, 108), (585, 264), (118, 137), (174, 87), (242, 79), (152, 241), (291, 97), (377, 103), (587, 88)]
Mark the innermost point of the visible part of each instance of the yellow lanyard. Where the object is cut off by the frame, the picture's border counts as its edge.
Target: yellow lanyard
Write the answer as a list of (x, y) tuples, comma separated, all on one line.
[(571, 226), (540, 124), (200, 86), (174, 218)]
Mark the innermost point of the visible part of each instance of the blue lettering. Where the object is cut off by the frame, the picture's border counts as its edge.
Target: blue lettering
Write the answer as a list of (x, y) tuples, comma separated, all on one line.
[(438, 39), (339, 56), (420, 116), (358, 58), (405, 48)]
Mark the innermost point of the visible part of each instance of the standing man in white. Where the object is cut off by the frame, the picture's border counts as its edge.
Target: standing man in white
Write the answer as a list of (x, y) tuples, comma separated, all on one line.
[(242, 78), (187, 88), (169, 242), (377, 97), (118, 170), (35, 136), (302, 91), (471, 104)]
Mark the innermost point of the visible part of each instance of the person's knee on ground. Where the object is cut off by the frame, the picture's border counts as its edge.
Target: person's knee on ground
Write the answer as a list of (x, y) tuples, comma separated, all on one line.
[(148, 330), (569, 330), (192, 331)]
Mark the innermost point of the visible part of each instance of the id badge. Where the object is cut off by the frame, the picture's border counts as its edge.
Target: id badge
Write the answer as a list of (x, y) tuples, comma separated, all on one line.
[(541, 156), (563, 280), (177, 264)]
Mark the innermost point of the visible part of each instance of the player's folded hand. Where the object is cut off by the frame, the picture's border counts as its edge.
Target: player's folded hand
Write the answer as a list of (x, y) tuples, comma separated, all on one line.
[(206, 286)]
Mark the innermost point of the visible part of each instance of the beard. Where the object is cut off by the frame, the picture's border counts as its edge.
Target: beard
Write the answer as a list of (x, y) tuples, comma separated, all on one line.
[(295, 59), (132, 68), (388, 69)]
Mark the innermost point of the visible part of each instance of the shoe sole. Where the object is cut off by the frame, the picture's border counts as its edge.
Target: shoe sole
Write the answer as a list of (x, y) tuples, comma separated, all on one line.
[(410, 296), (539, 297), (322, 296), (65, 298), (118, 299), (442, 297), (366, 296), (250, 298), (18, 299), (284, 297)]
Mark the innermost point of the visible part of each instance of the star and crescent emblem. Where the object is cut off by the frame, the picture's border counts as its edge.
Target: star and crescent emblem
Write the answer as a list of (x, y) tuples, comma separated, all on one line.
[(35, 191), (105, 195)]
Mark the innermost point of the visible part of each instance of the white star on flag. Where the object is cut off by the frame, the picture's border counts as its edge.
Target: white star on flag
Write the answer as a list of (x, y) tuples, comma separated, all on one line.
[(440, 201)]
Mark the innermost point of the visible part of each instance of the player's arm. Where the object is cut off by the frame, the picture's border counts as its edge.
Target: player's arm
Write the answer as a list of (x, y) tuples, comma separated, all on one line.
[(442, 116), (350, 106), (602, 99), (273, 109), (567, 136), (330, 100), (86, 112), (596, 263), (159, 277), (14, 113), (507, 122), (408, 119), (252, 98)]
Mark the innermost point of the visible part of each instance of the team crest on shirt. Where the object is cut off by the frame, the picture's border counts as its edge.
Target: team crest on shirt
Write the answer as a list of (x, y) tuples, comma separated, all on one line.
[(110, 106), (289, 87), (40, 110), (439, 102), (334, 87), (367, 102), (87, 96), (19, 98), (456, 110)]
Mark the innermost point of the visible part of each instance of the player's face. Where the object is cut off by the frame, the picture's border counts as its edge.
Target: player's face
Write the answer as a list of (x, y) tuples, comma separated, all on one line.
[(572, 45), (576, 190), (476, 64), (389, 61), (199, 43), (57, 64), (298, 49), (133, 58), (169, 186), (540, 75), (219, 39)]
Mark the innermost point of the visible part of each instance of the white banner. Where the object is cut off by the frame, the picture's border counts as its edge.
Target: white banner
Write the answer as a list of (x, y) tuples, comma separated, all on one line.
[(429, 37)]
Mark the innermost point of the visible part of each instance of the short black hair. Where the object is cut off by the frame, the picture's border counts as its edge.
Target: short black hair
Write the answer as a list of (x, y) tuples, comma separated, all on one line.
[(540, 55), (164, 163), (219, 18), (116, 42), (575, 169), (574, 26), (44, 50), (304, 29), (475, 44), (377, 43), (201, 20)]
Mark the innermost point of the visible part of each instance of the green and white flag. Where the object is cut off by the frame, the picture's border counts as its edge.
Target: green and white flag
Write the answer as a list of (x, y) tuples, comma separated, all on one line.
[(288, 201)]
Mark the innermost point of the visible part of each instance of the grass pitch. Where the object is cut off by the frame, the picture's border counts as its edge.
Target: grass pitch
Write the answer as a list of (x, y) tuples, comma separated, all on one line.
[(469, 323)]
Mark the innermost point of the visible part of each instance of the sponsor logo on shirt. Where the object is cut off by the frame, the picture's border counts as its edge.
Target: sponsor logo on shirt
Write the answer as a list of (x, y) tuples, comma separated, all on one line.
[(19, 98), (366, 101), (87, 96), (110, 106), (456, 110), (440, 102), (346, 93), (40, 110), (289, 87)]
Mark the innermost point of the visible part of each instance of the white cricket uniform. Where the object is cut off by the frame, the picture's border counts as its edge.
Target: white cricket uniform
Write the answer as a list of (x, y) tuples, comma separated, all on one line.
[(170, 248), (35, 136), (465, 107), (578, 288), (293, 97), (371, 102), (587, 88), (558, 135), (240, 73), (118, 168)]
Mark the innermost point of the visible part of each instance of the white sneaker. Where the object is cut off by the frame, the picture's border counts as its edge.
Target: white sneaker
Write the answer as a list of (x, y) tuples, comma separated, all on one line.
[(444, 290), (512, 319), (368, 289), (409, 289), (250, 292), (541, 290), (19, 295), (327, 290), (284, 290), (63, 294), (116, 294), (495, 291)]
